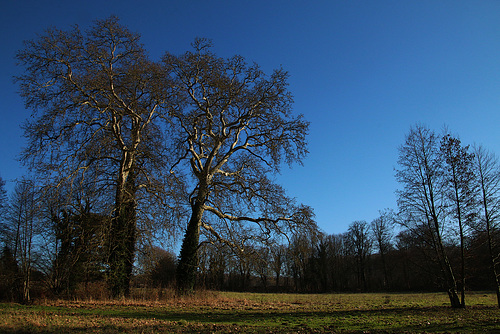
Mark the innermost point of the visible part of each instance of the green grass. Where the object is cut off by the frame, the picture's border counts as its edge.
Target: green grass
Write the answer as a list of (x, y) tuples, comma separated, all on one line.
[(259, 313)]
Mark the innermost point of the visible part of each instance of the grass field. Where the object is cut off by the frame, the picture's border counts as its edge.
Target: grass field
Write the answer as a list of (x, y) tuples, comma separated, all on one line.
[(213, 312)]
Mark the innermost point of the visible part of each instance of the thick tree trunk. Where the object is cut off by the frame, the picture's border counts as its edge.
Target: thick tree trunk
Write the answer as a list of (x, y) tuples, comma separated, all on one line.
[(123, 237), (450, 279), (188, 259), (451, 282)]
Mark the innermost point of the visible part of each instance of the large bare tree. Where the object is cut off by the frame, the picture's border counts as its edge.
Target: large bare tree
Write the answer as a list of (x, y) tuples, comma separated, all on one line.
[(232, 129), (95, 96)]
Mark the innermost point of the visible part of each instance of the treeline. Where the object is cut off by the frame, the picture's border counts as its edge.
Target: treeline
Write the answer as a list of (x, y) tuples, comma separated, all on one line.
[(444, 237), (356, 261)]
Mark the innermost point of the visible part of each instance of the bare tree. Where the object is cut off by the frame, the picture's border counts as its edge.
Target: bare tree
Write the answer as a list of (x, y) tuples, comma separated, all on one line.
[(23, 215), (232, 129), (213, 264), (299, 252), (422, 201), (163, 272), (460, 189), (95, 97), (338, 261), (488, 179), (277, 260), (4, 201), (4, 205), (358, 239), (382, 228), (260, 260)]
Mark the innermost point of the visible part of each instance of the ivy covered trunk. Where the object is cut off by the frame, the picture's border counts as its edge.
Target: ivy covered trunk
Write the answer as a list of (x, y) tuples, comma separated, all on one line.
[(188, 259), (122, 236)]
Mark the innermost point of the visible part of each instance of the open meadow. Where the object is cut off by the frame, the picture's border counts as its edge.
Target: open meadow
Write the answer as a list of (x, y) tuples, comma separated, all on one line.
[(227, 312)]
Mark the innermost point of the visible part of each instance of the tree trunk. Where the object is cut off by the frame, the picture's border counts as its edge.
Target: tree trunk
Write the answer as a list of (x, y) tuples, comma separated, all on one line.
[(188, 259), (497, 282), (450, 281), (492, 261), (449, 276), (462, 241), (462, 269), (384, 267), (123, 236)]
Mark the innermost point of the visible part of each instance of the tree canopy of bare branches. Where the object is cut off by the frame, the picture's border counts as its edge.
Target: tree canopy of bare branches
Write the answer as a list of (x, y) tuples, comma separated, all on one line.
[(95, 97), (233, 128), (422, 202), (196, 133)]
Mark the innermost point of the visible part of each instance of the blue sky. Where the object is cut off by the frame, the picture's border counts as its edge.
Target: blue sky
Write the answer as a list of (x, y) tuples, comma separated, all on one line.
[(362, 72)]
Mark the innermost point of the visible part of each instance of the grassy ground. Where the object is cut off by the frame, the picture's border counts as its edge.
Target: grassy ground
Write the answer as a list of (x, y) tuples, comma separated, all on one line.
[(258, 313)]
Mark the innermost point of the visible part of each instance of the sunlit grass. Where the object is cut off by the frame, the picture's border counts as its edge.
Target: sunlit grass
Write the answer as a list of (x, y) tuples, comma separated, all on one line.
[(248, 312)]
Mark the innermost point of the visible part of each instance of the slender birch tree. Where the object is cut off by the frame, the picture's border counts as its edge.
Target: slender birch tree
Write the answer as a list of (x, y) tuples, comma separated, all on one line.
[(460, 190), (422, 201)]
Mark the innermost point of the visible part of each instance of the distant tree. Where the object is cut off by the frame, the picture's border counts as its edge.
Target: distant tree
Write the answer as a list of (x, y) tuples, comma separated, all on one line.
[(3, 199), (163, 273), (10, 278), (232, 128), (319, 264), (23, 217), (277, 260), (415, 260), (359, 241), (461, 192), (422, 201), (338, 261), (4, 204), (260, 260), (214, 258), (299, 252), (382, 229), (79, 242), (96, 97), (487, 170)]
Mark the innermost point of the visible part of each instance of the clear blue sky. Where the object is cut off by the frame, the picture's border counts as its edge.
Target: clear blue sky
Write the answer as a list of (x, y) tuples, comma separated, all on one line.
[(362, 72)]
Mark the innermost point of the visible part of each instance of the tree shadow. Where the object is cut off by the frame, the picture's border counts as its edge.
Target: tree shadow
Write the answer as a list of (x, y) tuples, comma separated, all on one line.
[(383, 320)]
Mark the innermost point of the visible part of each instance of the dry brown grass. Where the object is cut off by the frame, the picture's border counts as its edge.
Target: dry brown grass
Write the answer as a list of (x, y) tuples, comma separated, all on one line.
[(214, 312)]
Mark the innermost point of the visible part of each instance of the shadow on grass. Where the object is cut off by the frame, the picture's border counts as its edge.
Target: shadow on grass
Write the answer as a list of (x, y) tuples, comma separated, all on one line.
[(383, 320)]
